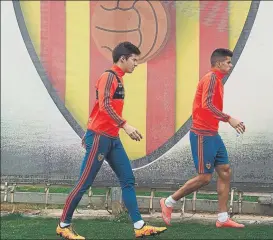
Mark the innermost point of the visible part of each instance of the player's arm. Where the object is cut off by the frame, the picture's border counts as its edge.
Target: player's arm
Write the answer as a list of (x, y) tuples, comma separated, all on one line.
[(209, 90), (106, 90)]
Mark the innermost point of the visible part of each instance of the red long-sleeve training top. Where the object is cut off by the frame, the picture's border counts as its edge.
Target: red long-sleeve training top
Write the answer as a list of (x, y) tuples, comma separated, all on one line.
[(106, 115), (208, 104)]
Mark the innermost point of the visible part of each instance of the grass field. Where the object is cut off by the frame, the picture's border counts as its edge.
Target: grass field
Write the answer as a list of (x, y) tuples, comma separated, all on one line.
[(15, 226)]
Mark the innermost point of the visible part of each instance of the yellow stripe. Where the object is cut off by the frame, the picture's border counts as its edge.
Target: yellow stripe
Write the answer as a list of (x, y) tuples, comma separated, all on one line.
[(135, 110), (77, 60), (238, 11), (32, 16), (187, 58)]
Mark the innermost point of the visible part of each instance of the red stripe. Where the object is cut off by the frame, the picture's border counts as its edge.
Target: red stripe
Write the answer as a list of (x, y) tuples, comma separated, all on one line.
[(83, 177), (211, 89), (107, 106), (98, 63), (213, 30), (53, 43), (161, 79), (200, 155)]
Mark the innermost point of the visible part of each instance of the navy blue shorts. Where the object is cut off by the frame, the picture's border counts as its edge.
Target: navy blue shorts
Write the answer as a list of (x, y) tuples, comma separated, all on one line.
[(208, 152)]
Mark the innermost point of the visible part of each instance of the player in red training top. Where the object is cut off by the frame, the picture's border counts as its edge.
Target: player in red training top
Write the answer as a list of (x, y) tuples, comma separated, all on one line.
[(208, 149), (102, 142)]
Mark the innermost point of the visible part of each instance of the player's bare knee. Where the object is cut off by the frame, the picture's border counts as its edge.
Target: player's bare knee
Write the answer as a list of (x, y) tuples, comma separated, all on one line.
[(224, 172), (229, 172), (204, 179)]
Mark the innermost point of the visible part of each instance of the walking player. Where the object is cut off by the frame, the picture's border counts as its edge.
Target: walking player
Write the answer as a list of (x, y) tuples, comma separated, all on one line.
[(208, 149), (102, 142)]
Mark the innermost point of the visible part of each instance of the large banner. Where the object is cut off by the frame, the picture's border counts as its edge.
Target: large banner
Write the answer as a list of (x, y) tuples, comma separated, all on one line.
[(58, 50)]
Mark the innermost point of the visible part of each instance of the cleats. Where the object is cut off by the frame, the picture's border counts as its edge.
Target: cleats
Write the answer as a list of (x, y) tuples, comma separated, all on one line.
[(166, 212), (147, 230), (68, 233), (229, 224)]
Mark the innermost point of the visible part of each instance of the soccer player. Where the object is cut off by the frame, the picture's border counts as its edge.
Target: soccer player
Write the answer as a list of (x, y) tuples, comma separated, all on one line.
[(208, 149), (102, 141)]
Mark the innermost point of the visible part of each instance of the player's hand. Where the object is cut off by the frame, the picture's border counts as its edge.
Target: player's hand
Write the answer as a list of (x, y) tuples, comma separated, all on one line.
[(237, 125), (132, 132), (83, 141)]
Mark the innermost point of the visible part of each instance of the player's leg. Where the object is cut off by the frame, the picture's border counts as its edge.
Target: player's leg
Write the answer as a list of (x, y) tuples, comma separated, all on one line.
[(96, 147), (120, 163), (223, 170), (203, 153)]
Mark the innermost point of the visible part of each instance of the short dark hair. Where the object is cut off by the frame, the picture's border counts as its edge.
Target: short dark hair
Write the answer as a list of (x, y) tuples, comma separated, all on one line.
[(125, 49), (220, 54)]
